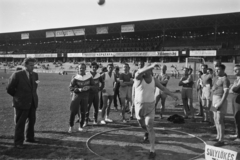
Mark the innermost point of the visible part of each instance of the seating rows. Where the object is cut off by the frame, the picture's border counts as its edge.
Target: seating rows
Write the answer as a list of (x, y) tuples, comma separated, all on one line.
[(119, 45)]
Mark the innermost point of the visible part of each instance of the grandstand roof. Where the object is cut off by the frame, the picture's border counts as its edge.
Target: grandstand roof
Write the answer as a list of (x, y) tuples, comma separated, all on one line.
[(155, 25)]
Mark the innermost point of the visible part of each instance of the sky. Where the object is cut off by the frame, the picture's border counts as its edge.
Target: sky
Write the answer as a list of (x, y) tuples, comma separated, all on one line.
[(26, 15)]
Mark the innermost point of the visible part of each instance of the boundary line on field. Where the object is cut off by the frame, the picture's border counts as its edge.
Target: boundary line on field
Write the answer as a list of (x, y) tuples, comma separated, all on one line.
[(156, 128)]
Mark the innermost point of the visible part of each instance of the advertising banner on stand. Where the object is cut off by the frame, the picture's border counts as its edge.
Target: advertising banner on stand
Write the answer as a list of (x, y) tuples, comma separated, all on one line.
[(46, 55), (74, 55), (25, 36), (102, 30), (79, 32), (50, 34), (127, 28), (59, 33), (167, 53), (68, 33), (203, 53)]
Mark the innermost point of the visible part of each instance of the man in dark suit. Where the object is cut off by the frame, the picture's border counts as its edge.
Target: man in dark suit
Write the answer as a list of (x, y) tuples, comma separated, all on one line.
[(22, 87)]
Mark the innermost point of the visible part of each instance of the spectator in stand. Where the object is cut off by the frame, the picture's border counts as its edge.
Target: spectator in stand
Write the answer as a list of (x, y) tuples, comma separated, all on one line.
[(199, 93), (104, 69), (80, 85), (187, 93), (219, 106), (116, 91), (107, 93), (235, 90)]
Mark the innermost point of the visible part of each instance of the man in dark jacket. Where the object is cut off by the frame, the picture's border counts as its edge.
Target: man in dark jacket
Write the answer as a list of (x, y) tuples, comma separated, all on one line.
[(22, 87)]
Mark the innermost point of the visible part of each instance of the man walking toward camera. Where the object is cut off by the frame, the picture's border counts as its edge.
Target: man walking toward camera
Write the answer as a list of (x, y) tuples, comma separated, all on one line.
[(22, 87)]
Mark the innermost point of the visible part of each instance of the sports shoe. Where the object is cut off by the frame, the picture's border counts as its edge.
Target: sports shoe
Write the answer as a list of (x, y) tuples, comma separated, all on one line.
[(124, 121), (145, 138), (233, 136), (95, 122), (219, 144), (199, 114), (70, 130), (108, 120), (152, 155), (103, 122), (237, 140), (85, 124), (80, 129), (99, 110)]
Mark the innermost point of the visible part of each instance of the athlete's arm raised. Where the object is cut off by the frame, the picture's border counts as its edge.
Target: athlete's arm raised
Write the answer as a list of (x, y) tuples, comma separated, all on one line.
[(139, 74), (164, 89)]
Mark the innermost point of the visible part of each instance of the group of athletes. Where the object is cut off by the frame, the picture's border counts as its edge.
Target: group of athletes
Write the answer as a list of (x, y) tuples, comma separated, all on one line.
[(139, 88), (143, 90), (213, 88)]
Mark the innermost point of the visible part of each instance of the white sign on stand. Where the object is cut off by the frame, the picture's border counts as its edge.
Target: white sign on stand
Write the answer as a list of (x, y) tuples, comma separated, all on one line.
[(217, 153)]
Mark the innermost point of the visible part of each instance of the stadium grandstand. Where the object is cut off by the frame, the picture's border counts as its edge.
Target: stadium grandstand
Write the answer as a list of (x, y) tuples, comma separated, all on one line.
[(159, 40)]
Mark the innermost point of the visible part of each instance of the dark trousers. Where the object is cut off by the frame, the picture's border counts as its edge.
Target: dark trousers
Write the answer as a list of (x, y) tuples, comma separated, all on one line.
[(78, 104), (116, 95), (24, 120), (237, 122), (93, 99), (101, 101)]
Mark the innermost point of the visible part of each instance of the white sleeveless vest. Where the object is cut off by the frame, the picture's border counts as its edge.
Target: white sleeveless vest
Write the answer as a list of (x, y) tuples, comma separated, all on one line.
[(144, 93)]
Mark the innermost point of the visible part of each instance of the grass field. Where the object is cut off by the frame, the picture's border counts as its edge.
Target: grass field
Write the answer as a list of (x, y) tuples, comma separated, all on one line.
[(55, 143)]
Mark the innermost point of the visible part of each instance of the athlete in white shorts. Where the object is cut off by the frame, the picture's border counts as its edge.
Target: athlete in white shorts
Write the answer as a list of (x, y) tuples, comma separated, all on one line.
[(160, 95), (107, 93), (220, 91)]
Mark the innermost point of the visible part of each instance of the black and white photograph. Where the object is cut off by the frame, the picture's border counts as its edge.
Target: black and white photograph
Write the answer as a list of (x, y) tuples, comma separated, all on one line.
[(120, 79)]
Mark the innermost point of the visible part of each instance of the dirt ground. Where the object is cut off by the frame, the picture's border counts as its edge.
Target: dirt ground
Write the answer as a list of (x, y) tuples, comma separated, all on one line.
[(120, 141)]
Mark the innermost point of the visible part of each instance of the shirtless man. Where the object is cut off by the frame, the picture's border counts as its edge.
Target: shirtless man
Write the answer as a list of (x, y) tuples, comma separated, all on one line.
[(187, 92), (160, 95)]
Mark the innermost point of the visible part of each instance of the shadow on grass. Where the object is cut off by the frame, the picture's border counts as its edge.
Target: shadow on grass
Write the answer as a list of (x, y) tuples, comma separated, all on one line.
[(47, 148)]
